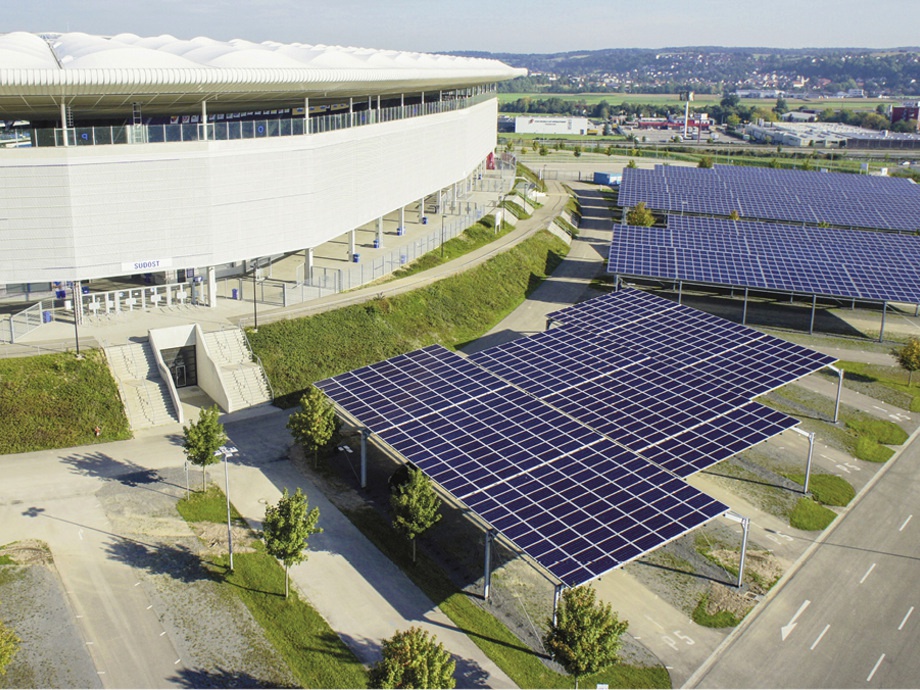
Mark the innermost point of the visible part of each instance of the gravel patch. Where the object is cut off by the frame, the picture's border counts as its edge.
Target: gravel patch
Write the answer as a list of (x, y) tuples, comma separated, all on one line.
[(52, 653)]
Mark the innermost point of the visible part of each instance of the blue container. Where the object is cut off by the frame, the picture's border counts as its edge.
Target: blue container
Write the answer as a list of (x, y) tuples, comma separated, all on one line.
[(84, 289), (400, 231), (355, 257), (235, 293), (376, 244), (60, 294), (424, 220), (46, 317)]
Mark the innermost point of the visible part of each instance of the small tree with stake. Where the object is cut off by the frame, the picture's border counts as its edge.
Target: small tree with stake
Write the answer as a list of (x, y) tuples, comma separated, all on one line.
[(640, 216), (314, 425), (286, 528), (412, 659), (202, 439), (415, 505), (909, 358), (586, 635)]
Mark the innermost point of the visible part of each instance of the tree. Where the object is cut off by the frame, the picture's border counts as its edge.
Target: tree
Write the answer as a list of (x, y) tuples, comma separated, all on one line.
[(202, 439), (631, 163), (734, 215), (9, 645), (577, 151), (781, 106), (909, 358), (586, 635), (415, 505), (640, 216), (412, 659), (705, 162), (286, 528), (314, 425)]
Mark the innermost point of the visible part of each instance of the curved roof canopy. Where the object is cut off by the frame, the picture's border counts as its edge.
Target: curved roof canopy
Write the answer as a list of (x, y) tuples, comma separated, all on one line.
[(105, 75)]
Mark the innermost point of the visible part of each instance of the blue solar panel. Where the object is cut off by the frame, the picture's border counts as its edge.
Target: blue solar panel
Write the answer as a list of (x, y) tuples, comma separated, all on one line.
[(574, 501), (818, 261), (857, 201), (704, 446)]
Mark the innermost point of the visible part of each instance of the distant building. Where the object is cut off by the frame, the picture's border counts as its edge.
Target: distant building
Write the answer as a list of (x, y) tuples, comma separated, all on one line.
[(527, 124), (906, 112), (828, 135)]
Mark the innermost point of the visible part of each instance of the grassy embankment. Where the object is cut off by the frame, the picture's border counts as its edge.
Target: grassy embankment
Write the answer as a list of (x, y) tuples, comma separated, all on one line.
[(56, 400), (315, 654)]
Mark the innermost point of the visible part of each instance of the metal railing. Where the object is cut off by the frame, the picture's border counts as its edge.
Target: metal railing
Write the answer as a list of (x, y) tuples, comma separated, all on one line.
[(245, 129)]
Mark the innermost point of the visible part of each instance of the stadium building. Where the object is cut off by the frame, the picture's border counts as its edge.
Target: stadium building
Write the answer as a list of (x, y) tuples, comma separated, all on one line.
[(157, 155)]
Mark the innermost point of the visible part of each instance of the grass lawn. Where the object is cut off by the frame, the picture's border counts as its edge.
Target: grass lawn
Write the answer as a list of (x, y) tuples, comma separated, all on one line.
[(811, 516), (720, 619), (55, 401), (313, 651), (457, 309), (877, 379), (828, 489)]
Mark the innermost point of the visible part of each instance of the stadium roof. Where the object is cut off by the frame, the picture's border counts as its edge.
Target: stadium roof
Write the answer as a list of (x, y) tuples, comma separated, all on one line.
[(164, 73)]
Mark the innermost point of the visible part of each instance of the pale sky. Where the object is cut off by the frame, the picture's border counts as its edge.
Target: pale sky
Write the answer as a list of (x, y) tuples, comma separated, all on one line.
[(517, 26)]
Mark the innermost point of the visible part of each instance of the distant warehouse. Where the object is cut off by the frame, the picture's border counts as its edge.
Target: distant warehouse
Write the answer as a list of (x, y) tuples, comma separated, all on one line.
[(526, 124)]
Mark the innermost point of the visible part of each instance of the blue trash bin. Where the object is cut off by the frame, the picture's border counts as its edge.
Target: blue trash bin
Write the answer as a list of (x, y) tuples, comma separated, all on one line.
[(356, 257), (400, 231), (236, 293), (46, 316), (424, 220), (376, 244)]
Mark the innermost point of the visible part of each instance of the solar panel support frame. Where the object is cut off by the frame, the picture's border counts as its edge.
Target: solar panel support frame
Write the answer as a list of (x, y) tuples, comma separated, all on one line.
[(365, 434), (839, 373), (557, 594), (810, 435), (745, 523), (487, 575)]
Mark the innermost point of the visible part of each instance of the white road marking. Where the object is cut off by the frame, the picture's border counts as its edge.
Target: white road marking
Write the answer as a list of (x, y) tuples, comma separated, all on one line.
[(150, 607), (879, 408), (176, 661), (815, 643), (136, 584), (871, 568), (906, 616), (875, 668), (904, 524), (89, 643), (790, 626), (162, 633), (80, 533), (843, 469), (655, 622)]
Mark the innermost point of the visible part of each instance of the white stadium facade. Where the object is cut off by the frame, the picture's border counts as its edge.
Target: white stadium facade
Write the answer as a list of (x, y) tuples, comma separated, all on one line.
[(157, 154)]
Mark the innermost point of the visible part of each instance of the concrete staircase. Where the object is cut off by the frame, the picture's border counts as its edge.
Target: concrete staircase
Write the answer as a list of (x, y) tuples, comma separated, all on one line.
[(243, 378), (144, 393)]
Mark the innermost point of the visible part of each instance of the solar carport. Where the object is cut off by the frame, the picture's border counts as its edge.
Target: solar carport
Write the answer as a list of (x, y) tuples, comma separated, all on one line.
[(574, 444)]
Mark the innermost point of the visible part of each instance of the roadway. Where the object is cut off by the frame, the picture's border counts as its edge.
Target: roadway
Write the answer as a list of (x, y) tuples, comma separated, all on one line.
[(846, 618)]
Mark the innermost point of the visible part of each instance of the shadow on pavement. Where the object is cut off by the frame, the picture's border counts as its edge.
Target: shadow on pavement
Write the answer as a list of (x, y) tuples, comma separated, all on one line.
[(218, 678), (177, 561)]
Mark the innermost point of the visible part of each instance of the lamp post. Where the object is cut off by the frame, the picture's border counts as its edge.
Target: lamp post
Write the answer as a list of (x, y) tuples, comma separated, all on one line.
[(255, 308), (77, 312), (443, 220), (226, 452)]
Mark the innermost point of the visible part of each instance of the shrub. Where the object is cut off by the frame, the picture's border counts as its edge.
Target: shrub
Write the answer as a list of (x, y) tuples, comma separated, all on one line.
[(828, 489), (871, 451)]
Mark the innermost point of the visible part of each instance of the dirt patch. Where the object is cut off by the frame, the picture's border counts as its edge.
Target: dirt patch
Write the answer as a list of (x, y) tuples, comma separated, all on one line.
[(213, 538), (722, 598), (761, 568), (28, 552)]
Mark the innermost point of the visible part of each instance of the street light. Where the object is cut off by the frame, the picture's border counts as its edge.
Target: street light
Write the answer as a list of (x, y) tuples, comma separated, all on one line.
[(255, 308), (227, 451), (443, 220)]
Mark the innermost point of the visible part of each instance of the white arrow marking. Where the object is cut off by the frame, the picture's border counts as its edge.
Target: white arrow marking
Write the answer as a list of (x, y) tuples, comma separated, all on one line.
[(790, 626)]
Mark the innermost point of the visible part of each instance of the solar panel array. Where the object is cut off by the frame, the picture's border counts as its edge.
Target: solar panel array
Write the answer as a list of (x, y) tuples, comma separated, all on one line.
[(859, 201), (672, 369), (571, 499), (838, 263), (571, 443)]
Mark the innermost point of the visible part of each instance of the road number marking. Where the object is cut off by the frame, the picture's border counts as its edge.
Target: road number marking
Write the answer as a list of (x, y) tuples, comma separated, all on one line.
[(875, 668), (685, 638), (904, 524), (815, 643), (906, 616), (871, 568)]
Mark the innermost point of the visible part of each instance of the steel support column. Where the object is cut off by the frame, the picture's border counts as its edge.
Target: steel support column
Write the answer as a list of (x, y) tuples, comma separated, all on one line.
[(365, 434), (557, 594), (814, 305), (487, 575), (811, 452), (839, 390), (745, 527), (744, 309), (881, 333)]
